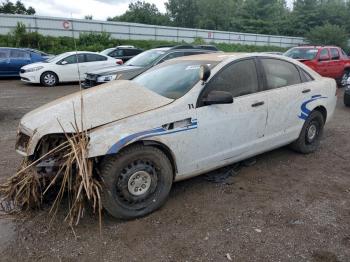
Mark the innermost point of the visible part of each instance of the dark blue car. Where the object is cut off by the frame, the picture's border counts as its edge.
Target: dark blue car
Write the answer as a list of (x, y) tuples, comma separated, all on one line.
[(12, 59)]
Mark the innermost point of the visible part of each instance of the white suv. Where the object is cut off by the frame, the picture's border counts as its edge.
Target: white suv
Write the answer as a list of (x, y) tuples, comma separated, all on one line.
[(186, 117)]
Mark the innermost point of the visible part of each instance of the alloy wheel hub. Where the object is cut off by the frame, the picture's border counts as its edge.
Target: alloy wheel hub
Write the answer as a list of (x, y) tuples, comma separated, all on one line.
[(49, 79)]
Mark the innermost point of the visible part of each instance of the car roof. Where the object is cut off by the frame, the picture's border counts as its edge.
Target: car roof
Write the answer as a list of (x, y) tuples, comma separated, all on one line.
[(219, 57), (17, 48), (81, 52), (210, 57), (317, 46)]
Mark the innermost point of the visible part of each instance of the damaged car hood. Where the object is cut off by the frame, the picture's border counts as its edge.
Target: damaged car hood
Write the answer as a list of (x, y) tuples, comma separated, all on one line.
[(101, 105)]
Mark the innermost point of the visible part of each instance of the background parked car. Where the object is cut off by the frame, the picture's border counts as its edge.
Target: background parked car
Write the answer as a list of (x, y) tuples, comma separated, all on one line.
[(141, 63), (123, 52), (12, 59), (328, 61), (64, 68)]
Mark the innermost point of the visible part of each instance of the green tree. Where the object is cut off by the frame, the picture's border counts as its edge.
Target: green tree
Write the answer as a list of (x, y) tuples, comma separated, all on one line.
[(183, 13), (263, 16), (8, 7), (328, 35), (143, 12)]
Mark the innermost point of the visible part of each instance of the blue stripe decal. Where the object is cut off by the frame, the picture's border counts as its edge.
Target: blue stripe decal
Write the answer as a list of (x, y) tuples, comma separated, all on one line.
[(305, 112), (160, 131)]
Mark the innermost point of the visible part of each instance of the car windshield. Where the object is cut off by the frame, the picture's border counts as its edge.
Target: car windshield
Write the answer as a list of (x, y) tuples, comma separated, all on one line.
[(172, 80), (145, 58), (302, 53), (106, 51)]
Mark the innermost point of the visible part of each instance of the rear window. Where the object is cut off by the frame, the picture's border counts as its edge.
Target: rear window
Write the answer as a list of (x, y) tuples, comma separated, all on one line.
[(280, 73), (302, 53), (73, 59), (95, 57)]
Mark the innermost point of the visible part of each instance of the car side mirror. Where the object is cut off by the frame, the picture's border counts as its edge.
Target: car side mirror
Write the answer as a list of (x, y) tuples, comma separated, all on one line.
[(204, 73), (324, 58), (218, 97), (64, 62)]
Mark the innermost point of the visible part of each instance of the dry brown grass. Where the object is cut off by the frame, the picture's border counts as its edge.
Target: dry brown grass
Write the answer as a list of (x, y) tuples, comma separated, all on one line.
[(26, 189)]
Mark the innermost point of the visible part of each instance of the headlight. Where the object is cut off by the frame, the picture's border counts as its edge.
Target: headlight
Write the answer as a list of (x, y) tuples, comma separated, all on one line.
[(106, 78), (33, 69)]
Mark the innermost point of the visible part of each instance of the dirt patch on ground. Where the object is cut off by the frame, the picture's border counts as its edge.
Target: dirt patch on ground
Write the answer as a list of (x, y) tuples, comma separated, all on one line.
[(287, 207)]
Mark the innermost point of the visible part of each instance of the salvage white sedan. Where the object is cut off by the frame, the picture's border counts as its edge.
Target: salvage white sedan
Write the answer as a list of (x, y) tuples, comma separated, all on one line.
[(65, 67), (186, 117)]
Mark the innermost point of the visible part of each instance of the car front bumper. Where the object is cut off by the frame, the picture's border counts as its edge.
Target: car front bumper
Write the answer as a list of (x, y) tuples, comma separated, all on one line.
[(89, 83), (32, 77)]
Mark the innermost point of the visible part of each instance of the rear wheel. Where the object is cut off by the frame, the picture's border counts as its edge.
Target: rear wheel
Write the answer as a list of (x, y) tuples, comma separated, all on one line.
[(310, 135), (49, 79), (136, 181)]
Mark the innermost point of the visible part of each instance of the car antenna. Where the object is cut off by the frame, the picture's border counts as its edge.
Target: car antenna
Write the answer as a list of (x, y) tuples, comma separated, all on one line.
[(81, 92), (76, 52)]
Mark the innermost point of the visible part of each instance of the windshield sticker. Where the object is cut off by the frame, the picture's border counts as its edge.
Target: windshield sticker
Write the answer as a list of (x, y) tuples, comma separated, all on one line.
[(192, 67), (195, 67)]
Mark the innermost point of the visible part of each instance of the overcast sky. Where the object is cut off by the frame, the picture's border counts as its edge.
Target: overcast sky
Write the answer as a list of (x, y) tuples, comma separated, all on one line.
[(99, 9)]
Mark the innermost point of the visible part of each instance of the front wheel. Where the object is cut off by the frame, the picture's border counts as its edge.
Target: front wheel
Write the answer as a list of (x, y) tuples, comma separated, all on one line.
[(136, 181), (344, 78), (310, 135), (49, 79)]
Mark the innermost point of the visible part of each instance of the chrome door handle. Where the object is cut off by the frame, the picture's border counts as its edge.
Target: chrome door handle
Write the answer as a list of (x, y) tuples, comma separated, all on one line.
[(258, 104)]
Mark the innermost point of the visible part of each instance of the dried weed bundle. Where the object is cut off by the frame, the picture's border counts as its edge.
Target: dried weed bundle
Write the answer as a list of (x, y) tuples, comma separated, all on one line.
[(26, 189)]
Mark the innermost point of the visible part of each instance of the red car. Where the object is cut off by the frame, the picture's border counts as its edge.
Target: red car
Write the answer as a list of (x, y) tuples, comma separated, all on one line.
[(328, 61)]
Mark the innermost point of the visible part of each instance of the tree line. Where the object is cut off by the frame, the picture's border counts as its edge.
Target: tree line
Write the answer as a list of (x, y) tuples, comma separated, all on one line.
[(251, 16), (306, 18)]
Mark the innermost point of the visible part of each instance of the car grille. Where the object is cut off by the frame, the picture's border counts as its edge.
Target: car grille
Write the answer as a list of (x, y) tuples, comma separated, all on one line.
[(22, 142)]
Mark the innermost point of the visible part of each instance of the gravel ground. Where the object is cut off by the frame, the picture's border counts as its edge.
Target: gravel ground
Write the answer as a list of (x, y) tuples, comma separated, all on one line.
[(287, 207)]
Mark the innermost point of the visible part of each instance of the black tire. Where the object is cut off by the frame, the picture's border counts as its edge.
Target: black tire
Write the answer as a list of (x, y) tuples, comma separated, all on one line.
[(306, 144), (118, 172), (49, 79), (346, 99)]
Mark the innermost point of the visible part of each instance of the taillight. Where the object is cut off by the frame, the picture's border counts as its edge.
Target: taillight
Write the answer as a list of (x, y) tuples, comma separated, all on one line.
[(119, 62)]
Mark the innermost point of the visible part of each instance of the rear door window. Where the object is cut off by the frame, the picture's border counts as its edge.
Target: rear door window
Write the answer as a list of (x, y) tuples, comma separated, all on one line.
[(279, 73), (305, 77), (95, 58), (335, 54), (19, 54)]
